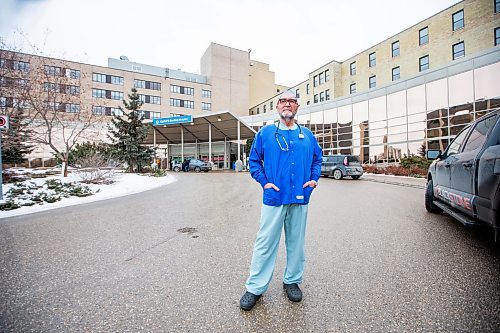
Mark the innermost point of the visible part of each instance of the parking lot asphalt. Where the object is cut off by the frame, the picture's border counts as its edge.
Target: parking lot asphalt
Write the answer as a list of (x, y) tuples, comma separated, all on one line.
[(175, 259)]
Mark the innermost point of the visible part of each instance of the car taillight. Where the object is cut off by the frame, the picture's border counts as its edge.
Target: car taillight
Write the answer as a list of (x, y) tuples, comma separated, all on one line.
[(346, 162)]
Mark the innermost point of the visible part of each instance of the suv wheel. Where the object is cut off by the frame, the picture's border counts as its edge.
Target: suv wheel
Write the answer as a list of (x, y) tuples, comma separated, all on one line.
[(355, 177), (197, 169), (429, 198), (177, 169), (337, 174)]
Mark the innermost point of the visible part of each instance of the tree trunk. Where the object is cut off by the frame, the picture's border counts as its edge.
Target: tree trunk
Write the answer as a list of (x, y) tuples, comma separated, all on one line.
[(65, 164)]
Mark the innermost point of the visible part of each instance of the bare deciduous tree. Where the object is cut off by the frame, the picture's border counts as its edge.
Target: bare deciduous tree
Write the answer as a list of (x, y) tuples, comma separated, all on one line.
[(51, 93)]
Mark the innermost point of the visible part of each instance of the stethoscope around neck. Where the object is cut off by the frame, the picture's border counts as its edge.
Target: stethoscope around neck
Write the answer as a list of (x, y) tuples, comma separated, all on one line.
[(277, 135)]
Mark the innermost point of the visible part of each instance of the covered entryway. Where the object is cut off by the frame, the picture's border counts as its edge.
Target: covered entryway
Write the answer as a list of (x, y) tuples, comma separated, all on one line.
[(215, 137)]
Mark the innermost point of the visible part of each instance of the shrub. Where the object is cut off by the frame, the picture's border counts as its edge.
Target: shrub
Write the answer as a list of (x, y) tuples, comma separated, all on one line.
[(397, 170), (84, 150), (412, 161)]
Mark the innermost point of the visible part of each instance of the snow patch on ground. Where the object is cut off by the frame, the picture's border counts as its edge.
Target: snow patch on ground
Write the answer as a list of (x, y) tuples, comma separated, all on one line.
[(124, 184)]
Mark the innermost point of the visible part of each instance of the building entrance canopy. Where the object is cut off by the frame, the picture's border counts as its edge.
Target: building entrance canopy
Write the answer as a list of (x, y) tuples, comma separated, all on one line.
[(224, 126)]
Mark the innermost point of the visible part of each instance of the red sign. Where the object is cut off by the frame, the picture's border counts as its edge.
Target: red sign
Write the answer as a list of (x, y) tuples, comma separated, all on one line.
[(4, 122)]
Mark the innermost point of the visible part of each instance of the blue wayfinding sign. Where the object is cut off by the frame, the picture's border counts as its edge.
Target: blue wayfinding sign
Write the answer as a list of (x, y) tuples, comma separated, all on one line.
[(172, 120)]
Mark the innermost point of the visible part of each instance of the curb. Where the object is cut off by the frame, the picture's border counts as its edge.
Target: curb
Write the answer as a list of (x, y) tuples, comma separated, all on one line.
[(390, 182)]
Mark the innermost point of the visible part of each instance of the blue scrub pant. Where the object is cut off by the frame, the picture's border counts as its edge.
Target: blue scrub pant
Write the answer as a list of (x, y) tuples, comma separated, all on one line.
[(294, 218)]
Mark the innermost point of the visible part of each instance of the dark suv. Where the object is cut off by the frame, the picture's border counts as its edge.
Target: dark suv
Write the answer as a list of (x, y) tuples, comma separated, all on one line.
[(464, 180), (340, 166)]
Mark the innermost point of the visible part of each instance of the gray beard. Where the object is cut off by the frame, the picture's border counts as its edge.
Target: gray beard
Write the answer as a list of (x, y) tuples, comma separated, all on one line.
[(287, 117)]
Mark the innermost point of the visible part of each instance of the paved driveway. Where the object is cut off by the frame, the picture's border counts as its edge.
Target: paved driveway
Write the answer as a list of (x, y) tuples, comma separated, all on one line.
[(175, 259)]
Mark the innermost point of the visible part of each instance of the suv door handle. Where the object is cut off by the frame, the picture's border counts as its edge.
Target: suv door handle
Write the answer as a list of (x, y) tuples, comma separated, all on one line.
[(447, 165), (467, 164)]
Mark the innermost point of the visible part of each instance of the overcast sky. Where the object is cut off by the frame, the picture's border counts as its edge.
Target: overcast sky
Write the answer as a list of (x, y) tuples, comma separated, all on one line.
[(295, 37)]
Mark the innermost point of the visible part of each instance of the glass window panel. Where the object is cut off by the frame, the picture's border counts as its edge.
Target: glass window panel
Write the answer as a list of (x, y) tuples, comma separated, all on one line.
[(317, 122), (345, 143), (397, 129), (395, 152), (416, 126), (424, 36), (487, 81), (377, 154), (396, 104), (356, 142), (397, 137), (397, 121), (377, 109), (436, 123), (415, 147), (437, 132), (416, 99), (304, 119), (418, 135), (359, 114), (437, 94), (460, 117), (437, 114), (345, 115), (377, 124), (378, 132), (330, 127), (439, 144), (377, 140), (461, 88), (417, 117), (330, 116)]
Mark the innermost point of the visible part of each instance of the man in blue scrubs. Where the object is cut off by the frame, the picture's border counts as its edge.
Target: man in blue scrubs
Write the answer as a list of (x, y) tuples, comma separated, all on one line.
[(285, 159)]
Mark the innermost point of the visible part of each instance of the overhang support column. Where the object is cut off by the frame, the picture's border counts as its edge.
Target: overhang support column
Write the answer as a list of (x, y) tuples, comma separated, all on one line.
[(210, 142)]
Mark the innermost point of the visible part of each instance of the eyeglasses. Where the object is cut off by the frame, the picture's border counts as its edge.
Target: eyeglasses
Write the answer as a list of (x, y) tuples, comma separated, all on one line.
[(284, 101)]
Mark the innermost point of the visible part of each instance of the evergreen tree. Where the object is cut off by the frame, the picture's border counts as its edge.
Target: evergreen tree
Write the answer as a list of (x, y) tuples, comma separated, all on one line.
[(422, 150), (127, 133), (15, 140)]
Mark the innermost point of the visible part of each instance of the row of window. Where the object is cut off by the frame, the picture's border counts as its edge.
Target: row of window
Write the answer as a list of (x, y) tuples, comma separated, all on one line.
[(321, 78), (104, 78), (181, 90), (206, 106), (271, 104), (323, 96), (61, 88), (106, 111), (58, 71), (65, 107), (150, 99), (181, 103), (423, 38), (11, 82), (147, 84), (109, 94), (10, 102), (15, 65), (423, 64), (109, 111)]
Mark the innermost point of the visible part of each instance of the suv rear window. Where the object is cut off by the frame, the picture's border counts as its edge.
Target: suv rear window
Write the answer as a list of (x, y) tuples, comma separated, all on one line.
[(352, 158)]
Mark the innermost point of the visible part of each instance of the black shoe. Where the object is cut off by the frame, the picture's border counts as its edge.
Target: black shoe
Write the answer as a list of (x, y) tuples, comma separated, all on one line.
[(248, 300), (293, 292)]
